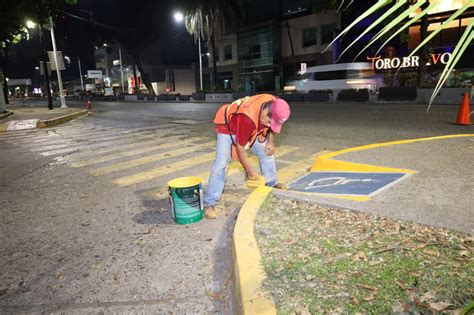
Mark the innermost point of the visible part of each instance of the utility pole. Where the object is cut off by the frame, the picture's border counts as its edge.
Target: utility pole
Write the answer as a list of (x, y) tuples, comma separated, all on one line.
[(58, 71), (45, 67), (121, 67), (80, 73)]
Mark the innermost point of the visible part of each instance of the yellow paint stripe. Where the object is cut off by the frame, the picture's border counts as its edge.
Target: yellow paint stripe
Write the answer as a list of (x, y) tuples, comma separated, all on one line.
[(384, 144), (149, 159), (164, 170), (234, 168), (249, 275), (126, 145), (297, 169), (132, 153)]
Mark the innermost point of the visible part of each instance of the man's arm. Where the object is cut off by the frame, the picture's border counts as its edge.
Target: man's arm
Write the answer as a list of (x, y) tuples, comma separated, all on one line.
[(270, 147), (243, 159)]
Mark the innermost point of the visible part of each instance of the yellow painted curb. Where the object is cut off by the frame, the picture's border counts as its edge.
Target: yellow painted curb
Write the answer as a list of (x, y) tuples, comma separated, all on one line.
[(60, 120), (248, 273)]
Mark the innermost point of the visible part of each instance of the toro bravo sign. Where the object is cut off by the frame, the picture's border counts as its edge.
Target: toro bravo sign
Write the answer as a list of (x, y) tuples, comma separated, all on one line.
[(380, 63)]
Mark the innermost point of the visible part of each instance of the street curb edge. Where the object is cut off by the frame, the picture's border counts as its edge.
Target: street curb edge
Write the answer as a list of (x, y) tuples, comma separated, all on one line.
[(248, 274), (59, 120)]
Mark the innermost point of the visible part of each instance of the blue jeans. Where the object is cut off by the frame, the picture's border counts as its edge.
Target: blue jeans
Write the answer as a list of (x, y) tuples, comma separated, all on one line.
[(218, 174)]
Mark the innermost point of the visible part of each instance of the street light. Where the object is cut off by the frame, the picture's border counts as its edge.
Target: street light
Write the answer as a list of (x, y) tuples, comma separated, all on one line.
[(80, 71), (179, 18), (31, 24)]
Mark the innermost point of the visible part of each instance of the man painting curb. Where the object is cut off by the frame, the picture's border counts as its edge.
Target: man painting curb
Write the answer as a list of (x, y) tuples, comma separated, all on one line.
[(250, 122)]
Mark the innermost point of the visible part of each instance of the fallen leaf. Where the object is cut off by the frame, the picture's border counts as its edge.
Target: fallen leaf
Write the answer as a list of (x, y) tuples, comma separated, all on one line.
[(341, 276), (310, 277), (464, 253), (374, 262), (368, 287), (428, 296), (355, 300), (60, 276), (431, 252), (117, 278), (208, 239), (302, 310), (359, 256), (369, 298), (148, 231), (440, 306), (401, 285)]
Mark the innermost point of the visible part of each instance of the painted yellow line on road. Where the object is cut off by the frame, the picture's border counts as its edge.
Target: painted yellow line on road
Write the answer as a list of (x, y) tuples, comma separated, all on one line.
[(164, 170), (385, 144), (250, 296), (149, 159), (127, 153), (325, 163), (125, 145), (234, 168)]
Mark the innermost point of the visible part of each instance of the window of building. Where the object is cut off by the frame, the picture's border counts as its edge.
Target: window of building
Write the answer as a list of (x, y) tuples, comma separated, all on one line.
[(253, 52), (227, 52), (328, 31), (309, 36)]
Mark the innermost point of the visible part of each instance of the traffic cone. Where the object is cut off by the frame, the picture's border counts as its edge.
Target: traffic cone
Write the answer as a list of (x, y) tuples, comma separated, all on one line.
[(464, 114)]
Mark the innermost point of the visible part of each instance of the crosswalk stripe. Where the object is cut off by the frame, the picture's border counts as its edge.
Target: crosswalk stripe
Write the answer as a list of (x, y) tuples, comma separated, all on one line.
[(127, 153), (78, 146), (234, 168), (121, 144), (149, 159), (164, 170)]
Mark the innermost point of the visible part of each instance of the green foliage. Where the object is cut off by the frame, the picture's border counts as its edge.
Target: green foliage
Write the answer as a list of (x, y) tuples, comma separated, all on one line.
[(205, 18)]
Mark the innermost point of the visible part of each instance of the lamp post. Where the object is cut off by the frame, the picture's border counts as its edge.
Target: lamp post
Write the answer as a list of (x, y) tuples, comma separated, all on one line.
[(68, 58), (32, 25), (58, 71), (179, 18)]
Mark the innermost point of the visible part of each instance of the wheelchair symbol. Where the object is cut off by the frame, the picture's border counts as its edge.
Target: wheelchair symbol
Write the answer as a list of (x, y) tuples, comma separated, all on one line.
[(334, 181)]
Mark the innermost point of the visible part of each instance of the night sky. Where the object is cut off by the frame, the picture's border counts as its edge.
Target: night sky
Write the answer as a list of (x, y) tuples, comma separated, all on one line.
[(77, 38)]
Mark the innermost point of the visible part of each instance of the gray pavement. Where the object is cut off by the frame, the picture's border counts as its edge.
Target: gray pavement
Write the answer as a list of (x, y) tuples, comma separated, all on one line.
[(77, 243)]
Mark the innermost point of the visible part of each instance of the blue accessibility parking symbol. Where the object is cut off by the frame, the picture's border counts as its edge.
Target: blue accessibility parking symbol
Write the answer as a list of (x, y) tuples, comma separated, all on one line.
[(346, 183)]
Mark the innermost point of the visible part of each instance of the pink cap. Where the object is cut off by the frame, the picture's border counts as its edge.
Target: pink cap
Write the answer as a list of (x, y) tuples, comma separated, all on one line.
[(280, 114)]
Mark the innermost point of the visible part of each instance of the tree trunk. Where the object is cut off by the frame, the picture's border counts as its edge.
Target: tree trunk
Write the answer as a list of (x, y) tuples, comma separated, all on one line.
[(290, 38), (45, 68), (145, 78), (424, 49), (136, 86), (214, 64), (3, 65)]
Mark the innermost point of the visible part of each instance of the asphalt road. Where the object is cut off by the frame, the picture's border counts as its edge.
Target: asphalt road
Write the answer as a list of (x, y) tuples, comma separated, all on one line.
[(85, 229)]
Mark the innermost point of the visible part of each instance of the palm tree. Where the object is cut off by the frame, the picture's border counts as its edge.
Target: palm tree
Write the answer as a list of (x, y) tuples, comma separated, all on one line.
[(406, 19), (208, 19)]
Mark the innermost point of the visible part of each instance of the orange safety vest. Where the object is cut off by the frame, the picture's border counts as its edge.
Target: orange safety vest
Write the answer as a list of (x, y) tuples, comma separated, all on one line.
[(250, 106)]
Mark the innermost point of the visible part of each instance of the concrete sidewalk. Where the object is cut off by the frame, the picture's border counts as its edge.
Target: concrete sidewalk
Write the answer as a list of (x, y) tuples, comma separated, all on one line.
[(26, 117)]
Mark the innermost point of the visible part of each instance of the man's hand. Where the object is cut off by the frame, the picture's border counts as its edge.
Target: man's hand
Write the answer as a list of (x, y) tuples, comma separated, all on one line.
[(252, 175), (270, 148)]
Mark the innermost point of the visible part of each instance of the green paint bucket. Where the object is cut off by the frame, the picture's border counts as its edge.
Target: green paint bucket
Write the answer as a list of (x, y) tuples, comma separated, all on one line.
[(186, 199)]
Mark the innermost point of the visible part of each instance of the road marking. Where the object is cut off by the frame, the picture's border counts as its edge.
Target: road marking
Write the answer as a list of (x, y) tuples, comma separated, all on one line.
[(234, 168), (149, 159), (134, 152), (164, 170)]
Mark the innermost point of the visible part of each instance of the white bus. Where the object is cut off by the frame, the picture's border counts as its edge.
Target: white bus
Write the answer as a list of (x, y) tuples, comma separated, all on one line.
[(341, 76)]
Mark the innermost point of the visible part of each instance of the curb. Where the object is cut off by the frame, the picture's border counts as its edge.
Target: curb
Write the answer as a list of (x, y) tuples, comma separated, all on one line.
[(59, 120), (6, 114), (248, 274)]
